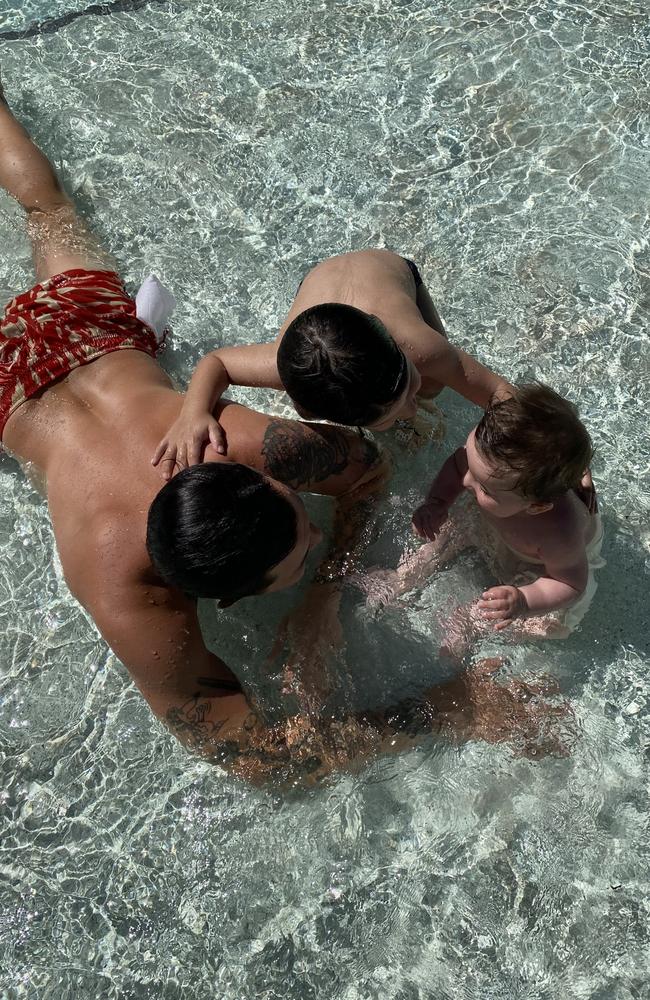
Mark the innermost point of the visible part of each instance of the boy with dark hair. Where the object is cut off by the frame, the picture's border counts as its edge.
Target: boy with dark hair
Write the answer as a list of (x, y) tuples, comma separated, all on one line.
[(361, 342), (524, 463), (323, 364)]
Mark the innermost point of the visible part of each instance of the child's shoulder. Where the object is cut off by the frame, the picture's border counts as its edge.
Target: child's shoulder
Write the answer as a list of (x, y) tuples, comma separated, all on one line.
[(565, 524)]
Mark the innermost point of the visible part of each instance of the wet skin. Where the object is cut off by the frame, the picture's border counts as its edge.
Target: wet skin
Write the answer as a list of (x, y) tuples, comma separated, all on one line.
[(381, 284), (90, 437)]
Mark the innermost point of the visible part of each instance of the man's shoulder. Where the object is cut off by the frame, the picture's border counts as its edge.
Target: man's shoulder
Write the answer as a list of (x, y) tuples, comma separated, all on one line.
[(107, 563), (312, 457), (315, 457)]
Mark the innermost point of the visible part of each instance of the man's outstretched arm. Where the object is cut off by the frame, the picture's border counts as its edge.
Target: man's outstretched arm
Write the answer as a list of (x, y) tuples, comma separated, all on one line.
[(332, 461), (199, 699), (155, 633)]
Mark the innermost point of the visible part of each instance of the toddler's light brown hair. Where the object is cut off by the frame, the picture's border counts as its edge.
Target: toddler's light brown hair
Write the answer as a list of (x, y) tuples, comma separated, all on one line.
[(538, 435)]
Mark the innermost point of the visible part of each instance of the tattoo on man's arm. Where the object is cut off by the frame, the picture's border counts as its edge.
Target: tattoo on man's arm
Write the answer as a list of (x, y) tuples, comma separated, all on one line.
[(299, 455), (220, 684), (259, 750), (191, 724)]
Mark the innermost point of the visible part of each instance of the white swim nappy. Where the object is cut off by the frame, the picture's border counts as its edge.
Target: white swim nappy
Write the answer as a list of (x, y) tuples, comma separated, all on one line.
[(573, 615), (154, 305), (512, 568)]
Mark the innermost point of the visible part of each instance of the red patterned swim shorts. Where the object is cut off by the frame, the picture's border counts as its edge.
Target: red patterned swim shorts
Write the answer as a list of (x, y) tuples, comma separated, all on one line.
[(62, 323)]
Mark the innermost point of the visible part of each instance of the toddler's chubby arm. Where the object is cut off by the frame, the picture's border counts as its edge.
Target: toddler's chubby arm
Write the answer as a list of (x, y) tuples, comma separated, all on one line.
[(443, 492), (566, 574), (250, 365)]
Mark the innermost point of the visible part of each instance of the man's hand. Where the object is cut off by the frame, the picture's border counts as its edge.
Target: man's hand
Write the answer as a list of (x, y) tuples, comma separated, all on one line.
[(517, 712), (502, 605), (429, 518), (183, 444)]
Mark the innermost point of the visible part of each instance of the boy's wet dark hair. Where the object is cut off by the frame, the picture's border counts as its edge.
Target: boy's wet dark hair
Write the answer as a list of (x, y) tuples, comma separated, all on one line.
[(218, 529), (338, 363), (539, 435)]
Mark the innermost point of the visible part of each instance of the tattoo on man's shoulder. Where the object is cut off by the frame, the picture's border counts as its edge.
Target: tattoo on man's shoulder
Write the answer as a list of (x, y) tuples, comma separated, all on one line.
[(300, 455)]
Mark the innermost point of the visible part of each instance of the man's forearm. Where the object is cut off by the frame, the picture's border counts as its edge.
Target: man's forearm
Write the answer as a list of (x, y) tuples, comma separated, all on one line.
[(353, 525)]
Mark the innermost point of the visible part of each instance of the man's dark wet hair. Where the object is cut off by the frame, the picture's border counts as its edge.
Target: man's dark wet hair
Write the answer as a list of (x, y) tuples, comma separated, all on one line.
[(338, 363), (218, 529), (539, 435)]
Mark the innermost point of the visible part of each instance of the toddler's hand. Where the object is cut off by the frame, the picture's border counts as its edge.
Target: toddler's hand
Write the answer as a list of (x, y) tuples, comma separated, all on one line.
[(429, 518), (502, 605), (182, 446)]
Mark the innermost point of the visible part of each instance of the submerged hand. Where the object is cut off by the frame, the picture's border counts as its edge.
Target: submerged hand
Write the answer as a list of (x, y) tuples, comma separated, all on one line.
[(502, 605), (313, 635), (183, 444), (528, 715), (429, 518)]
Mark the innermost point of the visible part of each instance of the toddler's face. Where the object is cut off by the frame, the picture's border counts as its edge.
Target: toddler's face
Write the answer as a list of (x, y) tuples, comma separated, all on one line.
[(494, 491)]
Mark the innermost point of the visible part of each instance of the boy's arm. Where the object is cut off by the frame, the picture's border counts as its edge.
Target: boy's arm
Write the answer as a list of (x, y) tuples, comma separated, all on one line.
[(453, 367), (443, 492), (253, 365), (567, 572), (250, 365)]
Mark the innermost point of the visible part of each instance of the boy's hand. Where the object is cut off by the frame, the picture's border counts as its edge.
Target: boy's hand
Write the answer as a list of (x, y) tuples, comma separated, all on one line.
[(502, 605), (429, 518), (183, 444)]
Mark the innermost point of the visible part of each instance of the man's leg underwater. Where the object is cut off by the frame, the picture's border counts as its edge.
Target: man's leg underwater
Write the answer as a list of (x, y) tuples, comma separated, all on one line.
[(60, 239)]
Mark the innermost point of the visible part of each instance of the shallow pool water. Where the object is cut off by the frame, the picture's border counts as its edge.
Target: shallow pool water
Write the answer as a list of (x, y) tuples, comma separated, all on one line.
[(227, 147)]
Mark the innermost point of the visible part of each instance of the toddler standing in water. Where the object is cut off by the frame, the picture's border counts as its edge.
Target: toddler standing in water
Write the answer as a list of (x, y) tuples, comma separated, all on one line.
[(525, 465)]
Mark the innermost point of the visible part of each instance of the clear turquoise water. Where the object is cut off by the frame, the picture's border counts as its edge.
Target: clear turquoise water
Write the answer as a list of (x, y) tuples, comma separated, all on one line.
[(505, 148)]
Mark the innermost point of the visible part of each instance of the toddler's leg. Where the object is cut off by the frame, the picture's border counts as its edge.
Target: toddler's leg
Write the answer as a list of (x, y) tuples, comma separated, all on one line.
[(461, 629), (546, 627)]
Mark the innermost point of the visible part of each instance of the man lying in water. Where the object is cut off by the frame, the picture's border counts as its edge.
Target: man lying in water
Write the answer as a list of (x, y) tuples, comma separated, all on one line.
[(362, 340), (83, 400)]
